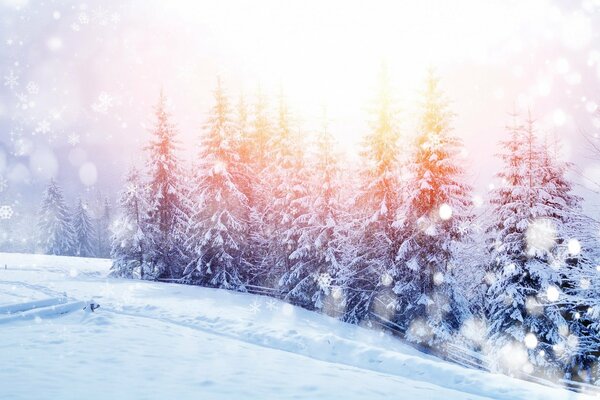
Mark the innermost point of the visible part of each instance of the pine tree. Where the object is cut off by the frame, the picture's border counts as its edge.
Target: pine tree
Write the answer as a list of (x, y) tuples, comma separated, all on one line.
[(219, 226), (579, 346), (288, 202), (522, 302), (84, 233), (314, 280), (435, 216), (167, 215), (55, 230), (253, 137), (378, 200), (129, 241)]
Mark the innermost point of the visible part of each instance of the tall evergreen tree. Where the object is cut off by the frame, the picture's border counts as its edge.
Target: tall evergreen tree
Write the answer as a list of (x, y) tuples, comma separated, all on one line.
[(578, 347), (219, 226), (84, 233), (315, 278), (523, 301), (254, 132), (376, 239), (283, 202), (167, 215), (55, 229), (129, 242), (435, 216)]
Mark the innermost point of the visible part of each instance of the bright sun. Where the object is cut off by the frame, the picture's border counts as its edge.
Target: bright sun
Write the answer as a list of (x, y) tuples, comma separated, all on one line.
[(329, 53)]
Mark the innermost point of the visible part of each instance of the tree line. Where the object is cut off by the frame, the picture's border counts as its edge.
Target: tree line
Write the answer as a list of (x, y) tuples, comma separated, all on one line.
[(72, 231), (399, 237)]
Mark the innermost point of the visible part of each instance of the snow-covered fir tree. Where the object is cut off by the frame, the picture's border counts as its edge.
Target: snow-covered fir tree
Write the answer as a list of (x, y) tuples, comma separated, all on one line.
[(285, 181), (254, 128), (218, 232), (576, 236), (523, 300), (129, 241), (167, 214), (55, 229), (376, 238), (436, 214), (84, 237), (315, 279)]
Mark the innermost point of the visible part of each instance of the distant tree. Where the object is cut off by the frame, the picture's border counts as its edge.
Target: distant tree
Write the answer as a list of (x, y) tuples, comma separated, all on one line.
[(55, 230), (167, 214), (436, 214), (129, 241), (103, 234), (84, 233), (217, 235)]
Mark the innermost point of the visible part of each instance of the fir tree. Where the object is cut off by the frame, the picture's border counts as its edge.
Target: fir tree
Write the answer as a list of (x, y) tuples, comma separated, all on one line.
[(55, 231), (578, 347), (288, 202), (219, 226), (523, 299), (378, 200), (129, 241), (435, 216), (166, 214), (84, 233), (315, 279)]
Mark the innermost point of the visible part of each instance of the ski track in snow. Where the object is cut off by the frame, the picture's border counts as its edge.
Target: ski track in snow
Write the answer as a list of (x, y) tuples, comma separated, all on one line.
[(157, 340)]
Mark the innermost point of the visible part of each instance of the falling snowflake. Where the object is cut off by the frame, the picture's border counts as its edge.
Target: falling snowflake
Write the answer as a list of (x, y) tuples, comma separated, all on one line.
[(445, 212), (3, 184), (83, 18), (73, 139), (464, 227), (105, 101), (11, 80), (272, 305), (255, 307), (115, 18), (438, 278), (43, 127), (324, 281), (75, 27), (6, 212), (477, 227), (23, 101), (32, 88), (100, 16)]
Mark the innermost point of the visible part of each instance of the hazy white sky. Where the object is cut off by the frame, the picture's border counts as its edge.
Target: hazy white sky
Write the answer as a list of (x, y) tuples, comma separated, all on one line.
[(88, 72)]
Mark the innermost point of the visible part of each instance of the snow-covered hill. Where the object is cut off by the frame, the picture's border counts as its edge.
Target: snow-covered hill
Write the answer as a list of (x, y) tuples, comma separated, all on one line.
[(166, 341)]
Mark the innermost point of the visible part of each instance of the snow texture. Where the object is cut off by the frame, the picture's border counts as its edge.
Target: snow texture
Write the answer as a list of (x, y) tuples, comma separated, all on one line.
[(155, 340)]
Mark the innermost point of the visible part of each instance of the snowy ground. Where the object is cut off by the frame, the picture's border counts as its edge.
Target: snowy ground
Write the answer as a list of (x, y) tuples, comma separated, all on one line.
[(160, 341)]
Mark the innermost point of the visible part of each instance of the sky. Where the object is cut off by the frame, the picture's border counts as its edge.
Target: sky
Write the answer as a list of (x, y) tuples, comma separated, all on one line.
[(78, 80)]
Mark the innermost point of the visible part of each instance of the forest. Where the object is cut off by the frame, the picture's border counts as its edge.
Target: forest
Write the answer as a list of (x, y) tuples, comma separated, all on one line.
[(392, 233)]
